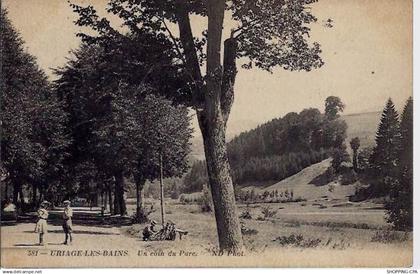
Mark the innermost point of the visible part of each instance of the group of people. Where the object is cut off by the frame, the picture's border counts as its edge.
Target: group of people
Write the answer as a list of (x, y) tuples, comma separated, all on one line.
[(168, 232), (41, 226)]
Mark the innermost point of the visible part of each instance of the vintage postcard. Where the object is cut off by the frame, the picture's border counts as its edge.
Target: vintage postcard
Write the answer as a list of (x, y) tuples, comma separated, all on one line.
[(206, 133)]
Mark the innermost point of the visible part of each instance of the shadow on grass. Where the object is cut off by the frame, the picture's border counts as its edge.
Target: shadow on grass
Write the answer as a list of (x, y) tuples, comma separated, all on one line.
[(8, 223), (87, 232), (322, 179), (108, 222), (37, 245), (27, 245)]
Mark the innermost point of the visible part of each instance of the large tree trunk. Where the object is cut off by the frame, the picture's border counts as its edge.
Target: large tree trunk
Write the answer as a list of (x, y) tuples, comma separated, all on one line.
[(6, 190), (213, 120), (212, 100), (105, 199), (21, 197), (119, 194), (111, 208), (228, 226), (355, 164), (34, 193), (117, 209), (140, 212), (15, 192), (162, 195)]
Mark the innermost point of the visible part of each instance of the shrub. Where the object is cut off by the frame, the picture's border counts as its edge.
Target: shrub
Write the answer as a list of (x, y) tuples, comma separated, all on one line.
[(268, 212), (245, 215), (207, 202), (297, 241), (339, 156), (389, 236), (349, 176), (248, 231)]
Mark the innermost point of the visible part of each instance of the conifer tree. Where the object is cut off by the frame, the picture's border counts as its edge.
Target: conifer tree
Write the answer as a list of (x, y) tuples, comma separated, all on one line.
[(388, 138), (400, 205), (406, 132)]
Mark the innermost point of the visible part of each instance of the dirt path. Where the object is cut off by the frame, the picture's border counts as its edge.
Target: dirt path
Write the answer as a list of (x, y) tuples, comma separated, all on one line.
[(22, 235)]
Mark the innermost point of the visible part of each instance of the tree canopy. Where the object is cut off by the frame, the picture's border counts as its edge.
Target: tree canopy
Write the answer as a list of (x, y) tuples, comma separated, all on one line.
[(120, 127), (34, 139)]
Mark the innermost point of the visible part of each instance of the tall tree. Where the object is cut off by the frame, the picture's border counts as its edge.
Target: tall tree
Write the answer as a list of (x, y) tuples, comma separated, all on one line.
[(406, 132), (333, 106), (269, 34), (384, 158), (400, 205), (166, 135), (355, 145)]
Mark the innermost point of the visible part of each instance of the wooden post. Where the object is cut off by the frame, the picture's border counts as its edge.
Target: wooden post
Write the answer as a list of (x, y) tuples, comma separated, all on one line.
[(162, 209)]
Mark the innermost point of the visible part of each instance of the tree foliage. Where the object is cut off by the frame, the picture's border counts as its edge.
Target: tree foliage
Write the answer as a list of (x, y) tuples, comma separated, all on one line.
[(333, 106), (400, 205), (269, 34), (33, 122), (388, 140), (355, 145), (117, 119)]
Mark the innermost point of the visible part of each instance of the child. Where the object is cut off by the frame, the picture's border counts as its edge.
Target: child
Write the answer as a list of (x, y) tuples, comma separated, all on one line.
[(67, 223), (41, 225)]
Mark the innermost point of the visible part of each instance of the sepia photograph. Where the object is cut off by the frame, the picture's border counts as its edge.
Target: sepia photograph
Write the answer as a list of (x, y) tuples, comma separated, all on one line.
[(206, 133)]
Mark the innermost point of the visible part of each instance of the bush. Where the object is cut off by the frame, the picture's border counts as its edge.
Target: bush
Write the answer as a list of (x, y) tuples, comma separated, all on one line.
[(175, 194), (207, 202), (363, 159), (245, 215), (399, 206), (389, 236), (248, 231), (188, 199), (268, 212), (339, 156), (349, 176), (297, 241)]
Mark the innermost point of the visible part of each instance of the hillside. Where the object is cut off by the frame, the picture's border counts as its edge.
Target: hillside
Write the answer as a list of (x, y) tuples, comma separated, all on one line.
[(362, 125), (233, 129), (303, 185)]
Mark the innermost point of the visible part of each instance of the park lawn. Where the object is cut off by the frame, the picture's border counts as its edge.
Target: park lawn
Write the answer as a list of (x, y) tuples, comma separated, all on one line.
[(341, 230), (342, 236)]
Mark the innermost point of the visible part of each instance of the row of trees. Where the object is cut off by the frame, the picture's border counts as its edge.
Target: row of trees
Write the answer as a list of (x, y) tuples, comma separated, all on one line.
[(34, 137), (282, 147), (120, 124), (389, 165), (100, 122)]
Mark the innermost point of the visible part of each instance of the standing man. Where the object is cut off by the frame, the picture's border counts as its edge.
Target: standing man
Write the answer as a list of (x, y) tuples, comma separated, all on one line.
[(67, 224), (41, 226)]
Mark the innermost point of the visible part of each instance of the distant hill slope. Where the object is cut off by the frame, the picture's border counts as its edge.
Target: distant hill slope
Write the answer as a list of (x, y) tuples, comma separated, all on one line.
[(233, 129), (362, 125), (303, 186)]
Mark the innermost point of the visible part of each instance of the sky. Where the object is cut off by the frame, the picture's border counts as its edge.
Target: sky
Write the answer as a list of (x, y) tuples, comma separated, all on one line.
[(367, 54)]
